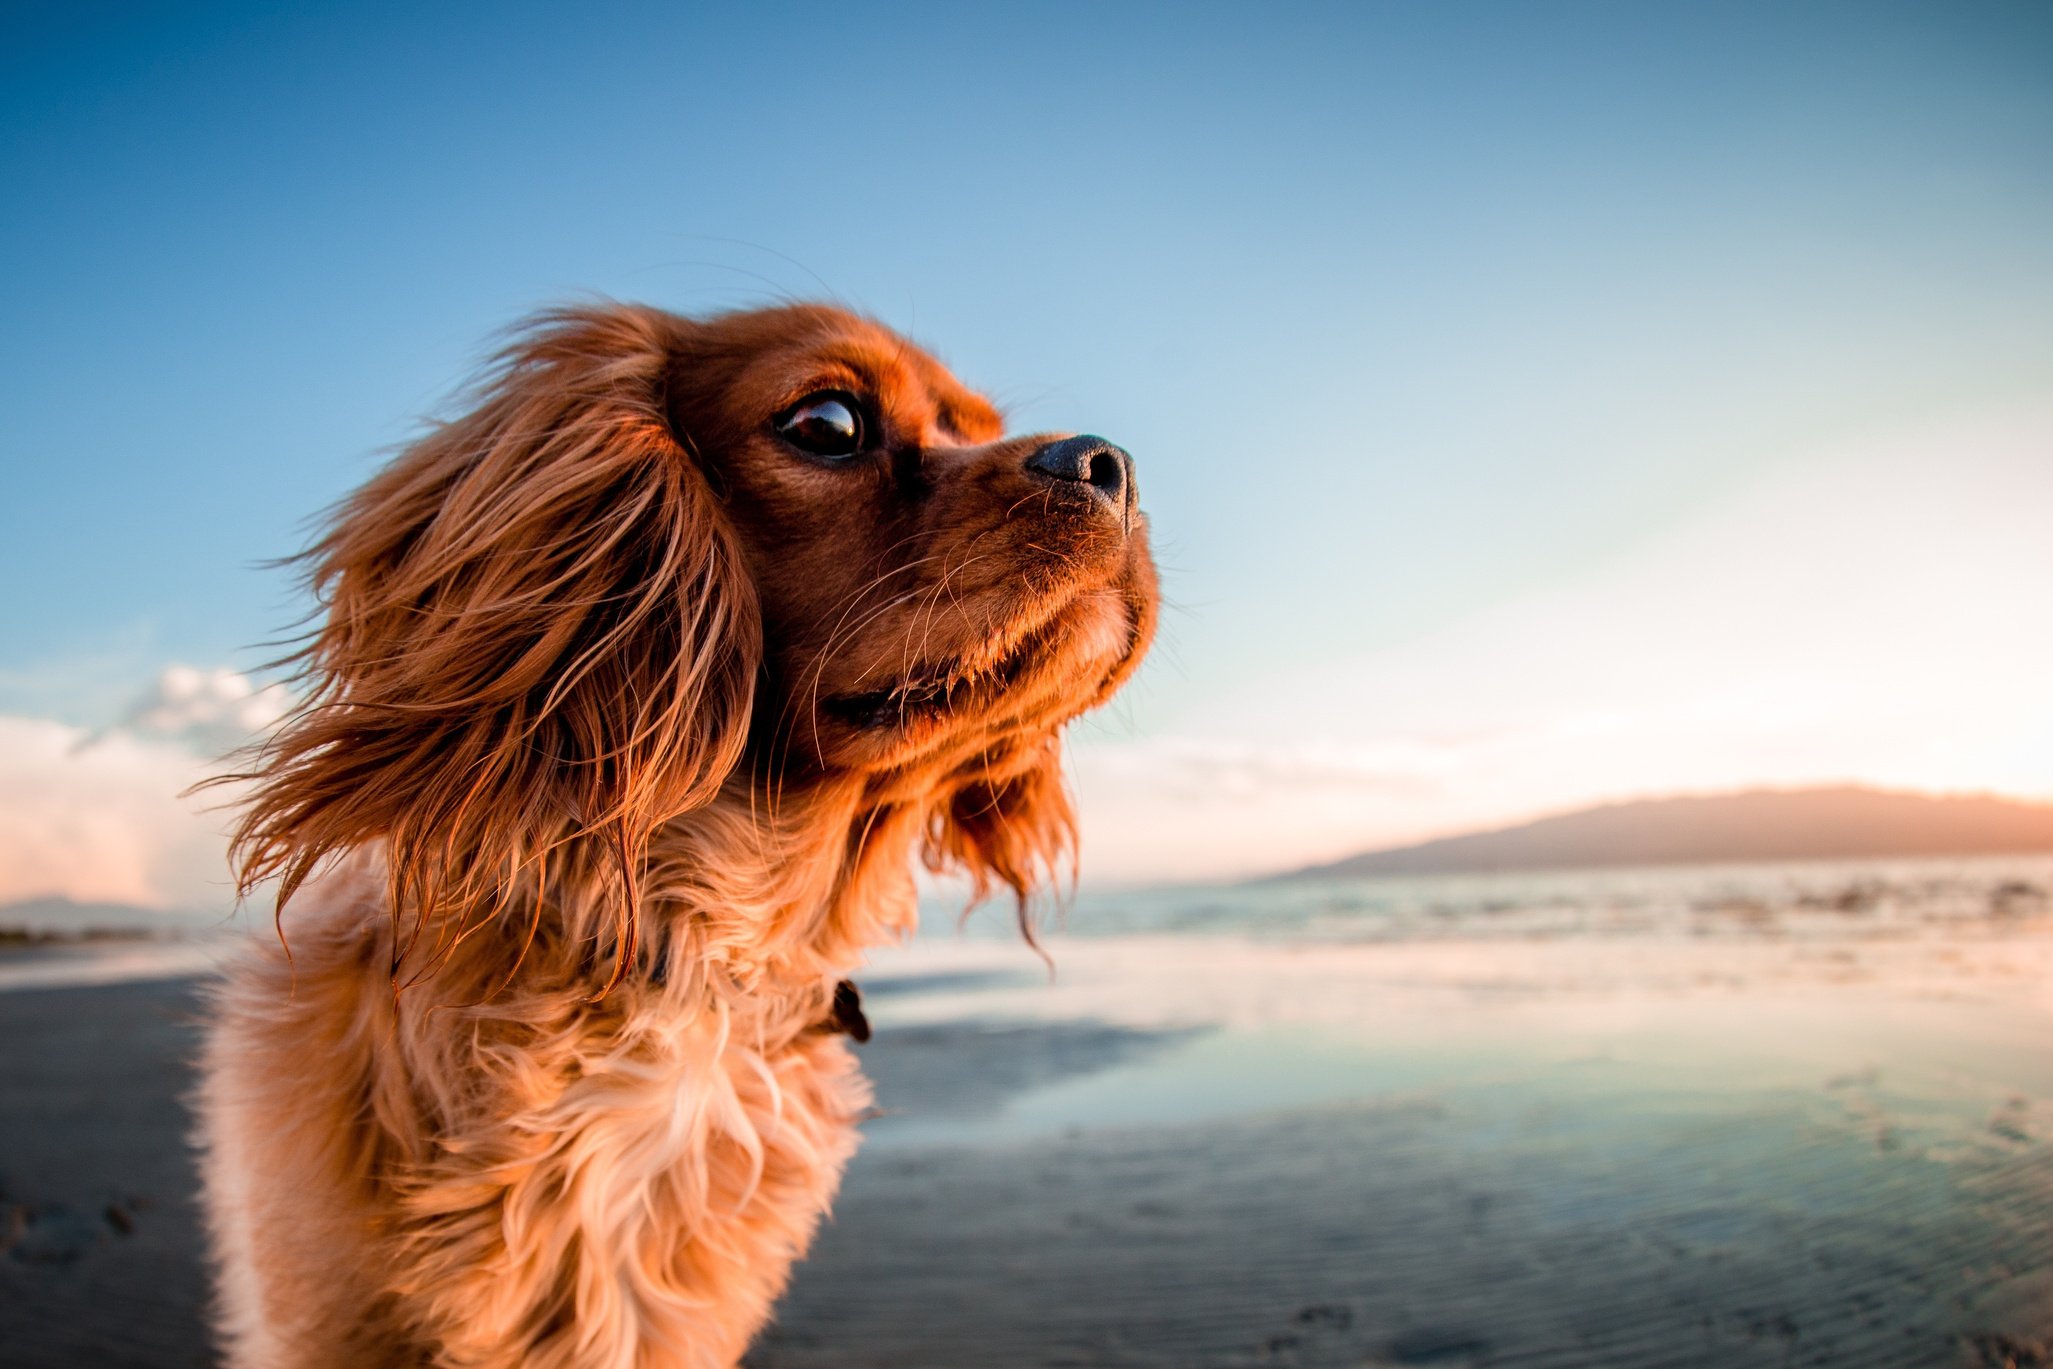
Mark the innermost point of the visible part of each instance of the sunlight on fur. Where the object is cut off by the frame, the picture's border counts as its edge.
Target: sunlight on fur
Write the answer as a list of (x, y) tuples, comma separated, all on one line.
[(637, 691)]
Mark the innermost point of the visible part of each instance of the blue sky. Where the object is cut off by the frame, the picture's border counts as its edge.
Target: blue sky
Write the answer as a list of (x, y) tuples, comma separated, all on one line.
[(1408, 312)]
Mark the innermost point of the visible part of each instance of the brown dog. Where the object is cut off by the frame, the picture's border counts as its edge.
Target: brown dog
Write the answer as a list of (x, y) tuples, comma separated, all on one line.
[(638, 689)]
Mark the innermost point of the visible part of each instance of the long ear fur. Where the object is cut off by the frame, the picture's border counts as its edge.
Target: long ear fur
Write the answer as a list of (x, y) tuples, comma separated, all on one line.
[(540, 644), (1012, 825)]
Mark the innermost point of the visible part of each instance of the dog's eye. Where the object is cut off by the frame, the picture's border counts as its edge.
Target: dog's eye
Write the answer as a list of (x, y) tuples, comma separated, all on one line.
[(826, 424)]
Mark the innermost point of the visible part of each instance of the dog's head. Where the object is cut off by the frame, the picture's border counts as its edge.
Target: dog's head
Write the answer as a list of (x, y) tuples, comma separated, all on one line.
[(661, 559), (930, 589)]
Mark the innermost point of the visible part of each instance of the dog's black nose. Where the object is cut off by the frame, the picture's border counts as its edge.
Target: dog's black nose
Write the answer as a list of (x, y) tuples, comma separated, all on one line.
[(1087, 460)]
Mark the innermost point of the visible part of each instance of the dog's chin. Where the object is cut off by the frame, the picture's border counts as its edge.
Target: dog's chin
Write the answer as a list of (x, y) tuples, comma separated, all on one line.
[(1035, 680)]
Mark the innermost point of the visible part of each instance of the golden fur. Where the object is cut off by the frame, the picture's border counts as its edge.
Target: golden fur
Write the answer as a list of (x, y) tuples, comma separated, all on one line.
[(626, 718)]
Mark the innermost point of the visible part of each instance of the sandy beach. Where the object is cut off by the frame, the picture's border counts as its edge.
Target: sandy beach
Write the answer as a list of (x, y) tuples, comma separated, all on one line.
[(1781, 1144)]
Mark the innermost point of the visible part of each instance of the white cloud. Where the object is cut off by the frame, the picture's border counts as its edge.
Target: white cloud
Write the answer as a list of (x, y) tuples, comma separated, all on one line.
[(1874, 613), (103, 816), (104, 822), (209, 711)]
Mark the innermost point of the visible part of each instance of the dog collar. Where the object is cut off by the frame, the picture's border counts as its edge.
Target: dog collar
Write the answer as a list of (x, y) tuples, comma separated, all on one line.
[(847, 1013)]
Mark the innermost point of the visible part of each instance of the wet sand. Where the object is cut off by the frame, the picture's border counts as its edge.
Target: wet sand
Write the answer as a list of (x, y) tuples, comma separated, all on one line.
[(99, 1242), (1534, 1154), (1212, 1153)]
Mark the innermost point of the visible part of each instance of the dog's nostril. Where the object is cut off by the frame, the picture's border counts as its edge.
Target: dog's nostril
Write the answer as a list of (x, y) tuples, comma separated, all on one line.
[(1107, 474), (1086, 460)]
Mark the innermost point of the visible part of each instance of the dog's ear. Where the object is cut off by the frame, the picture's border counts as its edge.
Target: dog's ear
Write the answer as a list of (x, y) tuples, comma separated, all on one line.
[(540, 642), (1012, 824)]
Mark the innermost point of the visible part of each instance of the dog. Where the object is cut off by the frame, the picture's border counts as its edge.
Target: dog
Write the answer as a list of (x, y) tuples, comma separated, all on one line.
[(634, 695)]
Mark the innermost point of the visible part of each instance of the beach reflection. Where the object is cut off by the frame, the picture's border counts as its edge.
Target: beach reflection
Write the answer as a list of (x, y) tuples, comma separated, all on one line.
[(1738, 1117), (1909, 1001)]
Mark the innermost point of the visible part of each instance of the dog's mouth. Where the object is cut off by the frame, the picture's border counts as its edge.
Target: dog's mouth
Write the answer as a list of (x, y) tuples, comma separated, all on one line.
[(937, 691), (1055, 658)]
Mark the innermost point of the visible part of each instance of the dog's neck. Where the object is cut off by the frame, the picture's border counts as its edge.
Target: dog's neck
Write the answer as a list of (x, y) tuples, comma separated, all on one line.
[(761, 900), (764, 891)]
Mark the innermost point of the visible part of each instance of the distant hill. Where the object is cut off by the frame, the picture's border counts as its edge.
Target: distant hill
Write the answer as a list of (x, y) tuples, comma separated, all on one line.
[(64, 917), (1760, 825)]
